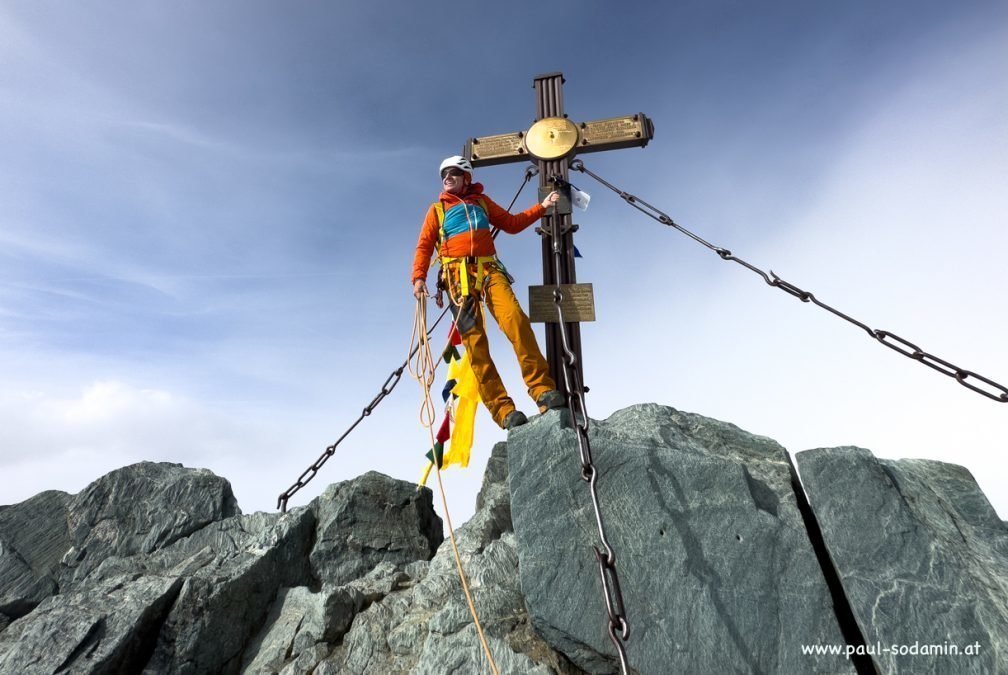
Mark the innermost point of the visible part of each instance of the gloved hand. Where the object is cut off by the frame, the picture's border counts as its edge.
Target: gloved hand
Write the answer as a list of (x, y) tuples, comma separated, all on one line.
[(551, 199), (419, 289)]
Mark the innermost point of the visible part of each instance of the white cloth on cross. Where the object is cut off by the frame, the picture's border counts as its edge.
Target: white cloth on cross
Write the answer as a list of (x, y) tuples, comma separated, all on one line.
[(580, 199)]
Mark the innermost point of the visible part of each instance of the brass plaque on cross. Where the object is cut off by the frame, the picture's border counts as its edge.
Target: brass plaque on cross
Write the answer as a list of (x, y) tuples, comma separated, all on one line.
[(616, 132), (551, 138), (608, 134), (578, 303), (499, 149)]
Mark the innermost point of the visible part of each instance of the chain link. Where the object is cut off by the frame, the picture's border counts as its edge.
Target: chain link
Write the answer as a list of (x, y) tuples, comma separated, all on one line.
[(618, 627), (993, 390), (390, 382)]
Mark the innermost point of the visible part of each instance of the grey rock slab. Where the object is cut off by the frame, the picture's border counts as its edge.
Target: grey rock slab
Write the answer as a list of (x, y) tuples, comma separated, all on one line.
[(461, 652), (371, 519), (21, 588), (712, 554), (33, 540), (424, 624), (235, 568), (922, 555), (369, 531), (190, 607), (431, 631), (302, 623), (306, 661), (365, 648), (296, 623), (139, 509), (495, 478), (108, 628), (452, 643)]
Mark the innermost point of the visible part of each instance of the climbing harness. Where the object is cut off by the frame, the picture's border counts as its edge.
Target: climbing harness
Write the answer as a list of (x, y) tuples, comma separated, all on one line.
[(460, 267), (469, 269), (995, 391), (618, 627)]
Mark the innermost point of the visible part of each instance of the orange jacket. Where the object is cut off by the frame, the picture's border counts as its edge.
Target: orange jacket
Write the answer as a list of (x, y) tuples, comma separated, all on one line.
[(472, 243)]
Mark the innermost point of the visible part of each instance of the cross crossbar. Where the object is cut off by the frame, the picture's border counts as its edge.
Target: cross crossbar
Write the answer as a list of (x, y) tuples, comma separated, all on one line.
[(551, 142)]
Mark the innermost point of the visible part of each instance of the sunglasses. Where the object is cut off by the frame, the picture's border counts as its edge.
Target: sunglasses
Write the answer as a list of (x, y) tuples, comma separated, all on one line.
[(451, 172)]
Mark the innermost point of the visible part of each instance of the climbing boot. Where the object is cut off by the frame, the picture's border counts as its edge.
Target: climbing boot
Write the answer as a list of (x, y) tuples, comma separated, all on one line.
[(515, 418), (551, 400)]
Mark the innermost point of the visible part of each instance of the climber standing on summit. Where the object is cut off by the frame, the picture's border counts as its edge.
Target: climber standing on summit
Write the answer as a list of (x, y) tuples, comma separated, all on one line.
[(457, 226)]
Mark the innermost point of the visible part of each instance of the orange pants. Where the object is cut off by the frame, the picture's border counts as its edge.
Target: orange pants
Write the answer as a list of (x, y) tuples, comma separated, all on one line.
[(503, 306)]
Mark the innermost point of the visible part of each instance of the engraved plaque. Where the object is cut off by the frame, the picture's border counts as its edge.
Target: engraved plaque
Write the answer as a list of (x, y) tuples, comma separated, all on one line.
[(499, 149), (578, 303), (616, 132), (551, 138)]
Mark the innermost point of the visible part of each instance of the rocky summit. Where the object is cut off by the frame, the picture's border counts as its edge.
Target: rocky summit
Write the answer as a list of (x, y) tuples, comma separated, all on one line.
[(727, 563)]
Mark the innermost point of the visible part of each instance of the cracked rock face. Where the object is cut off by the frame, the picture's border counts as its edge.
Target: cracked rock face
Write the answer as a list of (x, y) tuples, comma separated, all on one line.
[(419, 621), (33, 539), (367, 521), (153, 569), (716, 569), (158, 573), (922, 555), (187, 607), (358, 581), (102, 628), (53, 540), (140, 509)]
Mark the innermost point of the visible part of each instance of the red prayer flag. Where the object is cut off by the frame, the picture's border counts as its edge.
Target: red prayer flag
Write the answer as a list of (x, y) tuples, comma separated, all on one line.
[(444, 433)]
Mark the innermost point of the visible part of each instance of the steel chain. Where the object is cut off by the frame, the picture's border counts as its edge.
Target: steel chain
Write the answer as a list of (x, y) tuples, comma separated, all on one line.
[(618, 627), (390, 382), (994, 391)]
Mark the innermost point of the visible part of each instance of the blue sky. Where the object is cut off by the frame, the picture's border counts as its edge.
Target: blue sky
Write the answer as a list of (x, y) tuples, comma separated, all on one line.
[(208, 212)]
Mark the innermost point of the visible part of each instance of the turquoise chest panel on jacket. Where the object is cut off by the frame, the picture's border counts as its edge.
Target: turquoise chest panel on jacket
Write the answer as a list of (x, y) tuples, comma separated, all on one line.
[(463, 217)]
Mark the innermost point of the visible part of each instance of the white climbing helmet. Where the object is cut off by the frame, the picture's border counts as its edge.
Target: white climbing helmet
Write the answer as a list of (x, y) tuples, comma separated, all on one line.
[(456, 162)]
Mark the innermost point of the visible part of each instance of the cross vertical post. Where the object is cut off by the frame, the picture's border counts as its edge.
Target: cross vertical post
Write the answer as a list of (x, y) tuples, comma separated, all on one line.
[(552, 142), (549, 103)]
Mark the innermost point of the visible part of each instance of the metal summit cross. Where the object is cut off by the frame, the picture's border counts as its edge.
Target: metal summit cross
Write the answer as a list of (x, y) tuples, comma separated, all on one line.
[(552, 142)]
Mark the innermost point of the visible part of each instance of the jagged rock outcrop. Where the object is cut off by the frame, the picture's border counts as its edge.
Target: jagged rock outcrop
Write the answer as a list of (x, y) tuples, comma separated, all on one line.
[(714, 561), (186, 597), (424, 625), (33, 539), (922, 556), (153, 581), (359, 527), (140, 510), (153, 568), (53, 539), (347, 584)]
